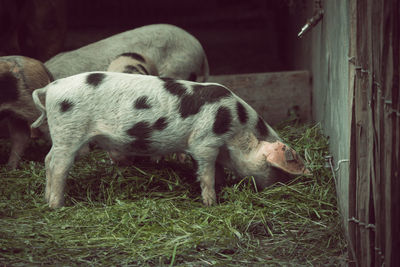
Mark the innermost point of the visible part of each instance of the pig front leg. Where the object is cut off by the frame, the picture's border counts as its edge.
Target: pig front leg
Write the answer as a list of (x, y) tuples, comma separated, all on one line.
[(20, 135), (58, 163), (206, 175), (205, 161)]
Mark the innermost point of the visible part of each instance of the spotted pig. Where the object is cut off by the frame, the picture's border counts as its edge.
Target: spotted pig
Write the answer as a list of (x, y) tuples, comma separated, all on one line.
[(174, 52), (132, 114), (19, 76), (133, 63)]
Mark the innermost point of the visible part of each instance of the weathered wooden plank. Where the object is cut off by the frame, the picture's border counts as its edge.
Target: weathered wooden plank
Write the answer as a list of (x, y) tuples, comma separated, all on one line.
[(376, 122), (376, 134), (352, 201), (362, 110), (392, 255), (275, 96)]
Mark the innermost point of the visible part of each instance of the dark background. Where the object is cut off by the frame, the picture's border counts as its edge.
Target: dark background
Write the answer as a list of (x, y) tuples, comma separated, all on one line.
[(238, 36)]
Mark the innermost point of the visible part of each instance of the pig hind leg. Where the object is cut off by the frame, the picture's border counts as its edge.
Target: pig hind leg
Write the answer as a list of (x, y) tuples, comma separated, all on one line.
[(20, 136), (48, 175), (58, 162)]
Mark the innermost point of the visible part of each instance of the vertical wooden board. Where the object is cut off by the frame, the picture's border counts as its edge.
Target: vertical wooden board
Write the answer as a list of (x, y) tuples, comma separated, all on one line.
[(273, 95), (376, 107), (362, 133), (370, 171), (394, 234), (363, 111), (352, 200)]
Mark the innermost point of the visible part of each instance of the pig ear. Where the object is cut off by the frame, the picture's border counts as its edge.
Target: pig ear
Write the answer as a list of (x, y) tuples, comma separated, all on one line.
[(283, 157)]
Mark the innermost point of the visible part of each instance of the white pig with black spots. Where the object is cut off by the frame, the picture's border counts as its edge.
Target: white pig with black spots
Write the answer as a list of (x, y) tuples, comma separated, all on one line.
[(132, 114)]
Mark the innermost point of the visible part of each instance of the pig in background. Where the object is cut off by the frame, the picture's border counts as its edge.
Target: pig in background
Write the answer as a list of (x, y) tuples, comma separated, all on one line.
[(133, 63), (32, 28), (19, 76), (131, 114), (174, 53)]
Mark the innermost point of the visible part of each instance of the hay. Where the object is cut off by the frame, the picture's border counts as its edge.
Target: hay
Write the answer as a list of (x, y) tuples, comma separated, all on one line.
[(143, 216)]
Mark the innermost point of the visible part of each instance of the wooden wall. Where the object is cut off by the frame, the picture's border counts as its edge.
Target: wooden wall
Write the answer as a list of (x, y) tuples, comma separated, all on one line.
[(374, 199), (353, 55)]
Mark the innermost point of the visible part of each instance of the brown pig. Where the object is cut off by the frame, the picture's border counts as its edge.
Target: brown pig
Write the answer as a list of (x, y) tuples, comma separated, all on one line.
[(19, 76)]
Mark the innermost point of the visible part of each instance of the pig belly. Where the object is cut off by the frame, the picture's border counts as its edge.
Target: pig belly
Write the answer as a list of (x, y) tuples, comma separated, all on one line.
[(158, 145)]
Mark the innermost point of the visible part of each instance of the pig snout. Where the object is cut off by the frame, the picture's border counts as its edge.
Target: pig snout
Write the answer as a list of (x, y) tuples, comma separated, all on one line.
[(280, 155), (268, 162)]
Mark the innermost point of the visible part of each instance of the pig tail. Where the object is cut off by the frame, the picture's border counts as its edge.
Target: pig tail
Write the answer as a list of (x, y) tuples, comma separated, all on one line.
[(39, 106)]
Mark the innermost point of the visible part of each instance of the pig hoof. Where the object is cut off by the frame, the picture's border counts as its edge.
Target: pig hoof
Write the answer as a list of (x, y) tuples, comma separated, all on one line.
[(208, 202), (56, 203), (209, 199)]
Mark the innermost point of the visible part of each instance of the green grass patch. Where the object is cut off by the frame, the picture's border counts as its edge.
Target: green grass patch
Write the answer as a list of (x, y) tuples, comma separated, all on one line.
[(152, 215)]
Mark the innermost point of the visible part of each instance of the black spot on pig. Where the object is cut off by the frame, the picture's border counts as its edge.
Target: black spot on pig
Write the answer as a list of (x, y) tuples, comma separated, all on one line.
[(242, 113), (211, 93), (191, 104), (192, 77), (142, 103), (223, 120), (130, 69), (65, 105), (141, 131), (95, 79), (261, 127), (142, 69), (134, 56), (8, 88), (173, 87), (160, 124)]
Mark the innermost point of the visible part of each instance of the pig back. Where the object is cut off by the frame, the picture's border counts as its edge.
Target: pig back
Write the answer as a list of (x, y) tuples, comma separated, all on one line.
[(174, 51), (26, 74)]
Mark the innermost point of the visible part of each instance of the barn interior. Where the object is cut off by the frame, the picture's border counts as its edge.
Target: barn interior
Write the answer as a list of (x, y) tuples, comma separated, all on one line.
[(314, 75)]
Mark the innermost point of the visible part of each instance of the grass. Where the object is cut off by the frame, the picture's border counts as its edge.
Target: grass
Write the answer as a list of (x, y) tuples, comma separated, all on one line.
[(147, 215)]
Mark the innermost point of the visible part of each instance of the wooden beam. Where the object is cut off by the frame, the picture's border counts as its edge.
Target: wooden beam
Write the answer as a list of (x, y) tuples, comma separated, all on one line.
[(275, 95)]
